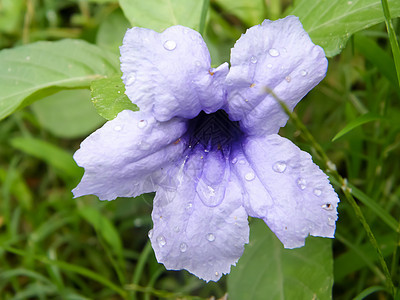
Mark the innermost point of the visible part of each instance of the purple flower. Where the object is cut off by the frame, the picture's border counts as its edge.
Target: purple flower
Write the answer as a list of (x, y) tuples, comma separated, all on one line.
[(205, 140)]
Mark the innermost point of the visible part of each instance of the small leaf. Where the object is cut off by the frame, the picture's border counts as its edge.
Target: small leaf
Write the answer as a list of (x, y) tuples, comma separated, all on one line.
[(108, 97), (366, 118), (330, 23), (249, 11), (67, 114), (34, 71), (268, 271), (161, 14)]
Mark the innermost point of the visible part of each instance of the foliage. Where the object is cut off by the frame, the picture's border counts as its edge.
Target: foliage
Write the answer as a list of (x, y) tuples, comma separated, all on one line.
[(53, 246)]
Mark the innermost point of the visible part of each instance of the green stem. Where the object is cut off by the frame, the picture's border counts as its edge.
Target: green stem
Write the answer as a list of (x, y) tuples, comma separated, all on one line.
[(331, 168), (203, 16), (139, 268), (392, 37)]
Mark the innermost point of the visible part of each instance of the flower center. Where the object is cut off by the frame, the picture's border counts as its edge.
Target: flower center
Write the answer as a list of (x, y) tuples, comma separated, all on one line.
[(213, 131)]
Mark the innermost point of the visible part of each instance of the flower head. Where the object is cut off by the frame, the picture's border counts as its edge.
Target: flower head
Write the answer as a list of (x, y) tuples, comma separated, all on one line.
[(205, 140)]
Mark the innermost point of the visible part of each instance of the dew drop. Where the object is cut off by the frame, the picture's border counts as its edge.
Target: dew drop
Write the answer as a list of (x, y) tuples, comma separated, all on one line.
[(302, 183), (288, 78), (210, 237), (117, 128), (198, 64), (303, 72), (234, 160), (130, 79), (273, 52), (142, 124), (161, 241), (183, 247), (28, 58), (144, 146), (253, 60), (331, 221), (150, 234), (242, 162), (327, 206), (170, 45), (279, 167), (269, 66), (216, 274), (250, 176), (189, 207), (9, 69), (349, 2), (317, 192)]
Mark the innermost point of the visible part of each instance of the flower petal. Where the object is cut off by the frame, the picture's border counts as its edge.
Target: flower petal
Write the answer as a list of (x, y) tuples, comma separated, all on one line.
[(278, 56), (189, 233), (120, 157), (297, 200), (169, 73)]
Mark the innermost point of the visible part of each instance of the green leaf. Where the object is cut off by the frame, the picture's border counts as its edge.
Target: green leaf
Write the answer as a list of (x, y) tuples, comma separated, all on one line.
[(268, 271), (34, 71), (249, 11), (366, 118), (111, 31), (331, 22), (60, 159), (108, 97), (68, 114), (161, 14), (103, 227)]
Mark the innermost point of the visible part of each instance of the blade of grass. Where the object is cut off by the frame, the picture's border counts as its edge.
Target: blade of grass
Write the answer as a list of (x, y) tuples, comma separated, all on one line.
[(392, 37), (203, 16)]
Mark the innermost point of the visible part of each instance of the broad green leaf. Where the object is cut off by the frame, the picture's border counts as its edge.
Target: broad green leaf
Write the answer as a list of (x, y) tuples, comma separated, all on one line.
[(103, 227), (366, 118), (58, 158), (108, 97), (112, 30), (161, 14), (249, 11), (268, 271), (68, 114), (331, 22), (30, 72)]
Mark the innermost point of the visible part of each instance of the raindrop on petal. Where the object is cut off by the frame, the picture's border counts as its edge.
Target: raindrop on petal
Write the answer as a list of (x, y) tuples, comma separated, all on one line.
[(130, 79), (303, 72), (161, 241), (273, 52), (250, 176), (253, 59), (288, 78), (170, 45), (150, 234), (176, 228), (317, 192), (302, 183), (269, 66), (331, 221), (279, 167), (234, 160), (328, 207), (210, 237), (142, 124), (117, 128), (183, 247)]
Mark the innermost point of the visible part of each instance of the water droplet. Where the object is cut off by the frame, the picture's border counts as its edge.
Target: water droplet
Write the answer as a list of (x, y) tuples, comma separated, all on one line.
[(150, 234), (303, 72), (328, 206), (130, 79), (161, 241), (273, 52), (9, 69), (176, 228), (288, 78), (28, 58), (302, 183), (170, 45), (210, 237), (216, 274), (253, 59), (117, 128), (198, 64), (250, 176), (269, 66), (144, 146), (183, 247), (279, 167), (142, 124), (331, 221), (242, 162), (234, 160), (349, 2), (212, 191), (317, 192), (189, 207)]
